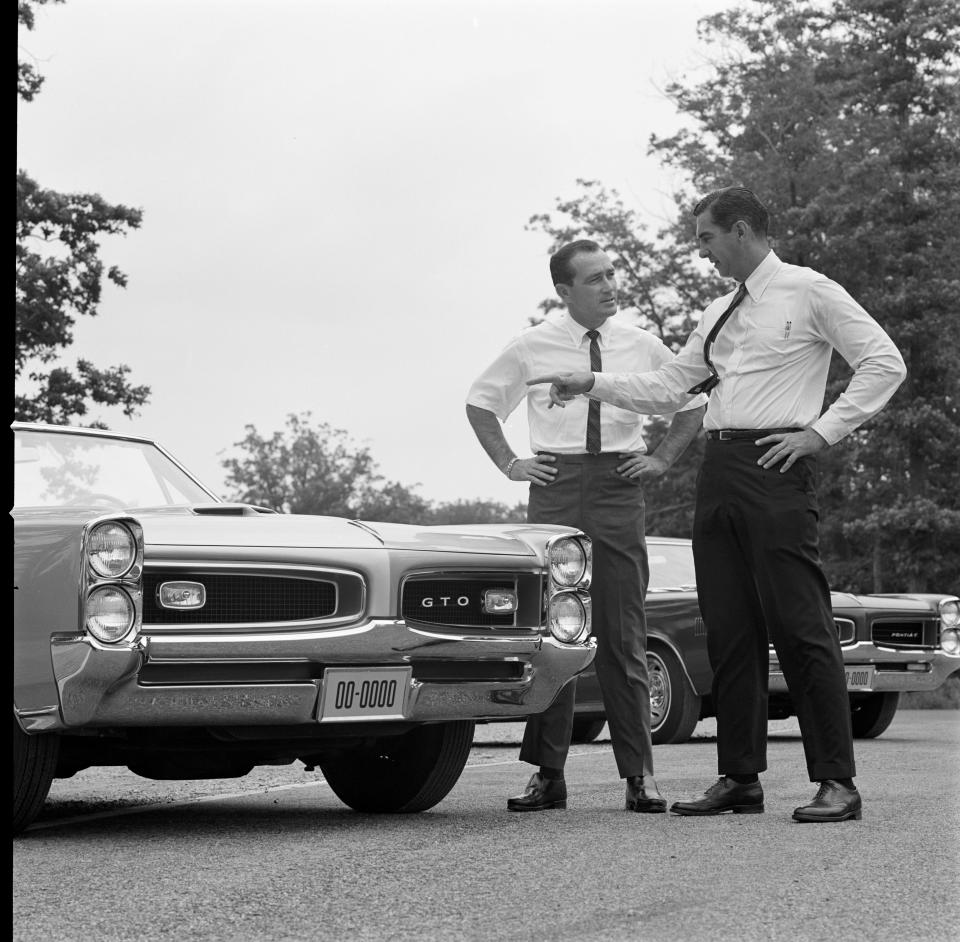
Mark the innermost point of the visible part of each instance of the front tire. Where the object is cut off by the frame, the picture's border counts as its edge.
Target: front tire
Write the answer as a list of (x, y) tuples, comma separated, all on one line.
[(872, 714), (34, 763), (402, 774), (674, 704)]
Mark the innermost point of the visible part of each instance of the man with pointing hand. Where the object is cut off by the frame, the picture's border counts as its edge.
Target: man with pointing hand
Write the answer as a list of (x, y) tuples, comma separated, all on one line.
[(762, 353), (587, 470)]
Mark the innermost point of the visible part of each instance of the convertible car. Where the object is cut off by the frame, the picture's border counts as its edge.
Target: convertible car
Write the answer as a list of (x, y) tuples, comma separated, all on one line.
[(890, 643), (159, 628)]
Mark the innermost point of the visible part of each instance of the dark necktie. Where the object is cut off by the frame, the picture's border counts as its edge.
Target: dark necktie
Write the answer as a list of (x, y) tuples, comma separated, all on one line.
[(593, 415), (713, 379)]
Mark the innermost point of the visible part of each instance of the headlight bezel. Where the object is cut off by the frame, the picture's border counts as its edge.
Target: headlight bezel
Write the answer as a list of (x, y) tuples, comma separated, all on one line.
[(949, 636), (128, 581), (568, 586)]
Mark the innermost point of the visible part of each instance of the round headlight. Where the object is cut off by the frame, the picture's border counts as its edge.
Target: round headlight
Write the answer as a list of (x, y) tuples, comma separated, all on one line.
[(111, 549), (950, 613), (950, 640), (110, 614), (568, 618), (568, 562)]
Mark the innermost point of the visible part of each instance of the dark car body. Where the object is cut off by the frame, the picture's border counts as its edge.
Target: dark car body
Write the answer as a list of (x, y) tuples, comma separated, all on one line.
[(158, 628), (891, 644)]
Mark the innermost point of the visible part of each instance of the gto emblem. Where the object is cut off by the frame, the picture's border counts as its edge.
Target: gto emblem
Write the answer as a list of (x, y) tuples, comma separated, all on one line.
[(444, 600), (181, 595)]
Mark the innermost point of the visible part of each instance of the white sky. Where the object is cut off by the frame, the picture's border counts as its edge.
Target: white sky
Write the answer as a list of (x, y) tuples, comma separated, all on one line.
[(334, 196)]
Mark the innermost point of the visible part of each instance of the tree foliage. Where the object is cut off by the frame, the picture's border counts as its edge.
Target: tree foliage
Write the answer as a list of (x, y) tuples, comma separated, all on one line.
[(845, 120), (312, 468), (60, 276), (659, 287)]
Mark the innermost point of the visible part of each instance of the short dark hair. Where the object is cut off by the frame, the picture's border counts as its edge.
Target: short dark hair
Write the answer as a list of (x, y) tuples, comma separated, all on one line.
[(560, 270), (731, 203)]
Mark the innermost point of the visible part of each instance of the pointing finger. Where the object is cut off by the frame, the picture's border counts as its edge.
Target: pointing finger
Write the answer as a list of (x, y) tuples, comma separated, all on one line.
[(539, 380)]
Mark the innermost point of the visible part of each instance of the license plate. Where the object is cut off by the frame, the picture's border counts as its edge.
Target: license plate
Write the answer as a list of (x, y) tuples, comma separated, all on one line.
[(364, 693), (860, 678)]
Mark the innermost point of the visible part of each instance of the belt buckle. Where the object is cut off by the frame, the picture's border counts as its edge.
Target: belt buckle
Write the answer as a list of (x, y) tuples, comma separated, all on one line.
[(725, 435)]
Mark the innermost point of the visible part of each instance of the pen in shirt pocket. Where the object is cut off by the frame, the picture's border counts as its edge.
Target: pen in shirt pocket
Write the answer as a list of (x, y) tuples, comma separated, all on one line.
[(786, 330)]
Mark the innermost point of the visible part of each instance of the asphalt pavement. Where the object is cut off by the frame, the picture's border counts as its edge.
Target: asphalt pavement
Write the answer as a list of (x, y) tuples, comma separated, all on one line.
[(276, 856)]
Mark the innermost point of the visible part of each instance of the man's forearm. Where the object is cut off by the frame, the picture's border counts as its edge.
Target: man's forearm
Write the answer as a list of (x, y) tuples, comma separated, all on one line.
[(683, 430), (486, 427)]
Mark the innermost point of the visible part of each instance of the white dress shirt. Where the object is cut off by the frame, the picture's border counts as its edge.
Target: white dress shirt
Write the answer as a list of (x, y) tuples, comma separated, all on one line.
[(559, 344), (772, 356)]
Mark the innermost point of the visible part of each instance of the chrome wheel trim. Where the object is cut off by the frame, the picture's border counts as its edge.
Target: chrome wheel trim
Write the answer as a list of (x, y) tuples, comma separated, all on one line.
[(660, 691)]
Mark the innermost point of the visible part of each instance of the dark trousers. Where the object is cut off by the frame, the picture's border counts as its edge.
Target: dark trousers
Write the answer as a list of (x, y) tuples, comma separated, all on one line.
[(589, 494), (756, 549)]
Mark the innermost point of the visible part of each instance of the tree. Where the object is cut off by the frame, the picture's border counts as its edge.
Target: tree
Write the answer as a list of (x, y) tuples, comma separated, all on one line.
[(845, 119), (312, 468), (477, 511), (304, 469), (59, 277)]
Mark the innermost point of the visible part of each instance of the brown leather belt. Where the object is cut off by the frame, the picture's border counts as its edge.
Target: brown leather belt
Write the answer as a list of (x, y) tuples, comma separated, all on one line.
[(743, 434)]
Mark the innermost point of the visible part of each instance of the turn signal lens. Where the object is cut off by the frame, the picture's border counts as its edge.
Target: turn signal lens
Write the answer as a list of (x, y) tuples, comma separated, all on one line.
[(111, 550), (568, 562), (110, 614), (500, 601), (568, 618)]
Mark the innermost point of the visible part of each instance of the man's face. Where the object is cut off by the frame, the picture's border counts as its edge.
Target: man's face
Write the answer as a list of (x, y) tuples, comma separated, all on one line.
[(592, 297), (724, 249)]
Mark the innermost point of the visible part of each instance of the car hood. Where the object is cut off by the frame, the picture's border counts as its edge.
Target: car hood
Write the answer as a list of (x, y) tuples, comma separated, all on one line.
[(216, 527), (885, 602)]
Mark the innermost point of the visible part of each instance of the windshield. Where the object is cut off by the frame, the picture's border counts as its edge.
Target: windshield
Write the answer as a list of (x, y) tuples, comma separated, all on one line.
[(58, 469), (671, 567)]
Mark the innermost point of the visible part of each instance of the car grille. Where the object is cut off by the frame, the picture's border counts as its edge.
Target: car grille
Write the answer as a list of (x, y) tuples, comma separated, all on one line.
[(456, 600), (913, 633), (243, 597)]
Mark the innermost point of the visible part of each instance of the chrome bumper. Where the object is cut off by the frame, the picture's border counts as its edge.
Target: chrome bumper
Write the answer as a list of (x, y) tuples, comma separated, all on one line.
[(99, 685), (896, 670)]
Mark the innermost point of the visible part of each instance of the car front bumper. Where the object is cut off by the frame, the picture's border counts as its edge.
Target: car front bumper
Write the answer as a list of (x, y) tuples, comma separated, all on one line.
[(102, 686), (894, 670)]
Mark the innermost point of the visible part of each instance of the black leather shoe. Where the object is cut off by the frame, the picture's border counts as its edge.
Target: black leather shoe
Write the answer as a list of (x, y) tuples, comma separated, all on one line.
[(541, 795), (833, 802), (724, 795), (643, 795)]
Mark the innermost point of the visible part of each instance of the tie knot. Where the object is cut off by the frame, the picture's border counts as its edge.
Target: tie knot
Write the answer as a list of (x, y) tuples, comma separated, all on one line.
[(593, 334)]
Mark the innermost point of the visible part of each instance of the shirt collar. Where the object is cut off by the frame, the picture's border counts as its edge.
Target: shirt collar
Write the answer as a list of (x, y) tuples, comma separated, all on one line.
[(578, 333), (761, 276)]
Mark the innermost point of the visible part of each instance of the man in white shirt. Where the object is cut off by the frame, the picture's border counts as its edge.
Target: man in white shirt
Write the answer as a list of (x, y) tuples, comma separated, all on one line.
[(587, 471), (766, 349)]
